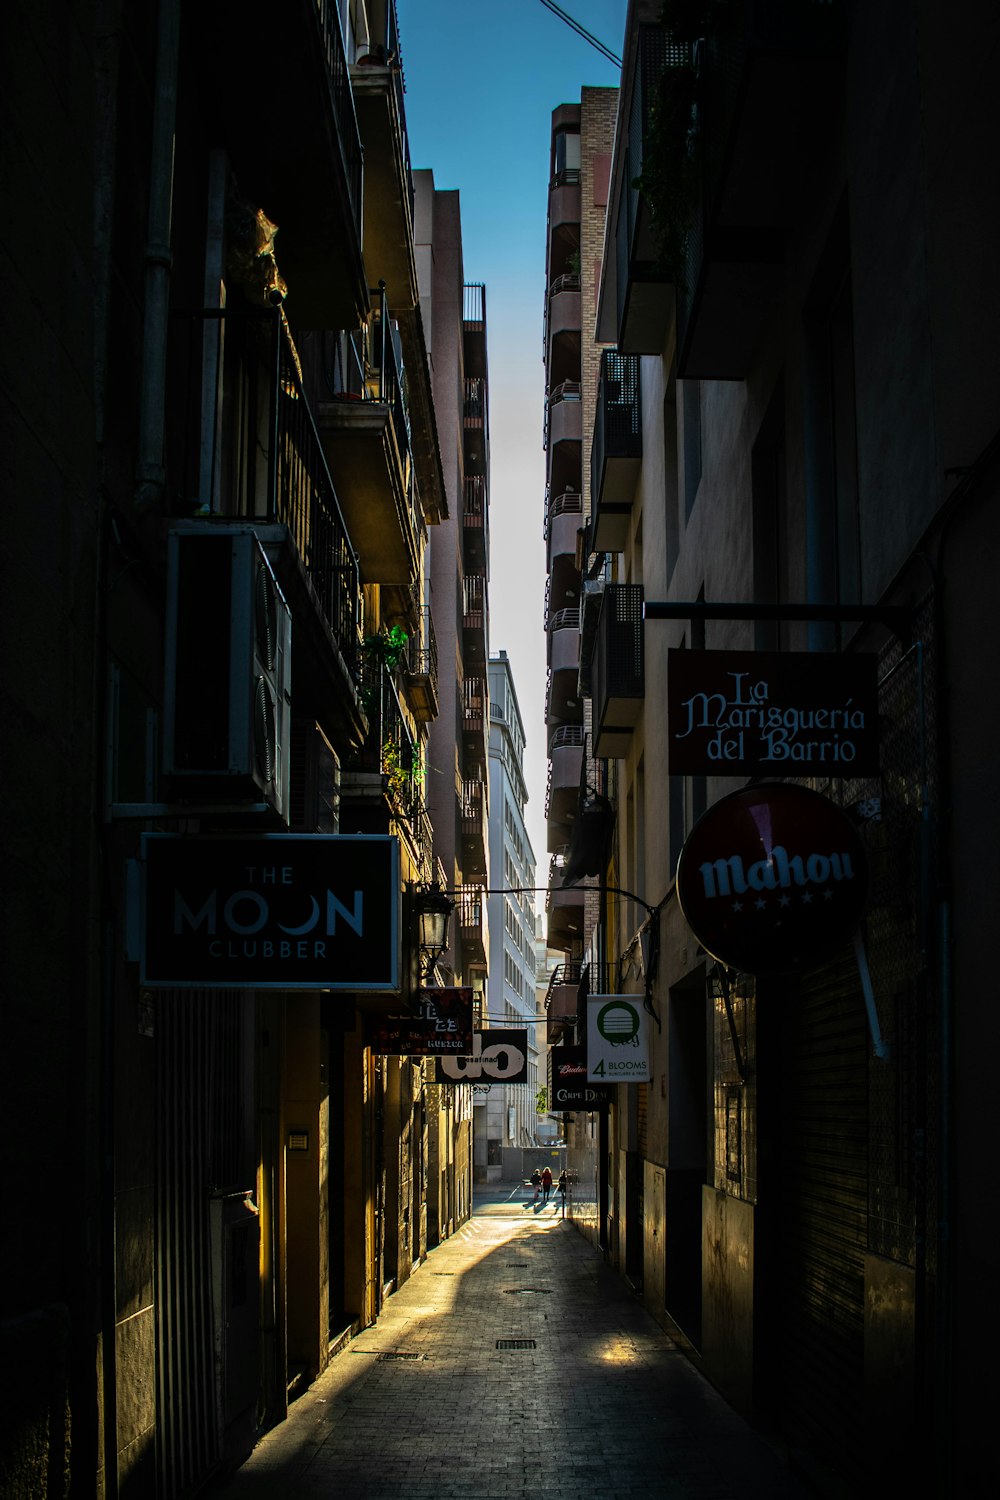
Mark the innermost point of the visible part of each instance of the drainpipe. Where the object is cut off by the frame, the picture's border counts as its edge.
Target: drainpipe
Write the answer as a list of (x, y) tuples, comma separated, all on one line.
[(150, 470)]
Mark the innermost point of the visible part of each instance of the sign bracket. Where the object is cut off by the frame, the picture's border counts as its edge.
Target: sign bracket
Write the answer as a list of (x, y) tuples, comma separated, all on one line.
[(896, 616)]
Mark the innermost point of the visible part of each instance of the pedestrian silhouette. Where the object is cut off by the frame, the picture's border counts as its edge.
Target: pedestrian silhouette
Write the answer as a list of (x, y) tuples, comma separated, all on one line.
[(546, 1183)]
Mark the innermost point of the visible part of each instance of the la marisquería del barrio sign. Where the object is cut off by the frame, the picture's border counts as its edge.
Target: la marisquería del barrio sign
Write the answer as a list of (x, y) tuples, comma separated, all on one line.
[(785, 713), (773, 877), (273, 911)]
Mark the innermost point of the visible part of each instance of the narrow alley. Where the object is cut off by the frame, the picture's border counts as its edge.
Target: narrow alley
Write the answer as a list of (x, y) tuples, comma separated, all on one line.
[(513, 1363)]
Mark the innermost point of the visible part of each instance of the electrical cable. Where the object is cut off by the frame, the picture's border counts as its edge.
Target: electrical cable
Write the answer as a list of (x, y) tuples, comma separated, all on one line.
[(583, 32)]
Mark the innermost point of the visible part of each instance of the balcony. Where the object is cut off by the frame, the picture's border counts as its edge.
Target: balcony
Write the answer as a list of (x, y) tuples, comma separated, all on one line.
[(420, 670), (616, 454), (366, 439), (617, 670), (564, 204), (562, 793), (377, 84), (231, 373), (476, 525), (474, 329), (564, 911), (562, 329), (474, 619), (563, 414), (472, 925), (475, 835), (475, 723), (475, 427), (637, 292), (562, 1000), (286, 113), (383, 780), (771, 80), (562, 694)]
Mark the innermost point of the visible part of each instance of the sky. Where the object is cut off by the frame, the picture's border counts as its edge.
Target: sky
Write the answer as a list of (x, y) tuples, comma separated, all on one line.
[(482, 80)]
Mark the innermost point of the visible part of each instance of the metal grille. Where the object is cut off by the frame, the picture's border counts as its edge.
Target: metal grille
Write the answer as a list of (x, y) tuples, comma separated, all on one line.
[(200, 1137), (516, 1344)]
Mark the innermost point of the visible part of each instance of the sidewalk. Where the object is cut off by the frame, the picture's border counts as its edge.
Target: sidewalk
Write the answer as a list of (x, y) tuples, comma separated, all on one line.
[(425, 1406)]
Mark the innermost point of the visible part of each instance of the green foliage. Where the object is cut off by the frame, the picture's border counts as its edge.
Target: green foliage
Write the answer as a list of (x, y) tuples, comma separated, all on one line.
[(541, 1100), (669, 177), (402, 780)]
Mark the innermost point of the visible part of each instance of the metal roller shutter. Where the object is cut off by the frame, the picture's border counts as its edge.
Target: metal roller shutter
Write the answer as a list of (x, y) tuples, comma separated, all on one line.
[(824, 1200)]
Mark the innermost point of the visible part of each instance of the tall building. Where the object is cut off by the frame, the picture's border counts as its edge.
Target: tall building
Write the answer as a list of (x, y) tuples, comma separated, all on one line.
[(579, 164), (795, 458), (508, 1120), (219, 406), (458, 573)]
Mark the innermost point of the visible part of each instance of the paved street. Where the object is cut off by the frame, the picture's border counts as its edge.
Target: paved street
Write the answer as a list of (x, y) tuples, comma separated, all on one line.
[(425, 1405)]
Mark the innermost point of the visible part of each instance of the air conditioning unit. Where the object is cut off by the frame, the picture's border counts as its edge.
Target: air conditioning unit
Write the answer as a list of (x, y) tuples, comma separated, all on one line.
[(228, 665)]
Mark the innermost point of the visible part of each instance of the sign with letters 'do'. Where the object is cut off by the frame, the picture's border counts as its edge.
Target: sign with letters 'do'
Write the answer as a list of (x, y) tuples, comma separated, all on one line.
[(274, 911), (617, 1039), (772, 713), (499, 1055)]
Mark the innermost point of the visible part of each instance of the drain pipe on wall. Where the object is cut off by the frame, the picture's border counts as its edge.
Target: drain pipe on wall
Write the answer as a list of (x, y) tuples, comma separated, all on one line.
[(150, 470)]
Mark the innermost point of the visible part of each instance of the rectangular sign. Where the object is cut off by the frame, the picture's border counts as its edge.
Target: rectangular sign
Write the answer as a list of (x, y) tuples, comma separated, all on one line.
[(617, 1039), (279, 911), (780, 713), (568, 1086), (499, 1055), (443, 1024)]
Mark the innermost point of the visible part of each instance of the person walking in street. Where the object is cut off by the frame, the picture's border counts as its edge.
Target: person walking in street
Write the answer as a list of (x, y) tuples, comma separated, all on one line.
[(546, 1183), (563, 1185), (536, 1182)]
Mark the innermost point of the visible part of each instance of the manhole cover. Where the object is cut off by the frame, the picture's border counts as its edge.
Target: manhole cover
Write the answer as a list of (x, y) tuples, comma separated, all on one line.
[(398, 1354), (516, 1344), (527, 1291)]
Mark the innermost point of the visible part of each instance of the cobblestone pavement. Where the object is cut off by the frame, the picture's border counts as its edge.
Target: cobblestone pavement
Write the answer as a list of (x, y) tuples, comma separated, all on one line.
[(426, 1406)]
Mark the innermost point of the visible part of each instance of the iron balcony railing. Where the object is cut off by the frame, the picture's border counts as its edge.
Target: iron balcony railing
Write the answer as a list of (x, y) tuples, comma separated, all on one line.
[(422, 651), (618, 418), (389, 747), (342, 100), (475, 504), (243, 443), (386, 360)]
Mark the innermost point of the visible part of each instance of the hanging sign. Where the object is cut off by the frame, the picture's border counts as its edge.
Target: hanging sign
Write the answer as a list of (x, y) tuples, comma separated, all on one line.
[(276, 911), (568, 1085), (787, 713), (442, 1025), (499, 1055), (617, 1039), (773, 877)]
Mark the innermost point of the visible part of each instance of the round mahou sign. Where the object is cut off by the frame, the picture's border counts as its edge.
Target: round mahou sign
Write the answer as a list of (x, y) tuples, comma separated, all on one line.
[(773, 877)]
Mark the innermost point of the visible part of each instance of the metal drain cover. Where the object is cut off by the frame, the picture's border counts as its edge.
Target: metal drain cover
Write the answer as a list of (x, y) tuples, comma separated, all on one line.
[(527, 1291), (398, 1354), (516, 1265), (516, 1344)]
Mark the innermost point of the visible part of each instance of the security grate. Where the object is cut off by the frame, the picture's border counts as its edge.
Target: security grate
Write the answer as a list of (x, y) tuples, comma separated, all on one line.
[(516, 1344)]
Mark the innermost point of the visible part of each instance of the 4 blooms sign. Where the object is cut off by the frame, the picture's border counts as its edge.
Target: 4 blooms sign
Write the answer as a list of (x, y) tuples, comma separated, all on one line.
[(617, 1039)]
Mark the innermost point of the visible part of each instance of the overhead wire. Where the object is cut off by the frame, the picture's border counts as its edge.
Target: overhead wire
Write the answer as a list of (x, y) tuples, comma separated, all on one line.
[(582, 31)]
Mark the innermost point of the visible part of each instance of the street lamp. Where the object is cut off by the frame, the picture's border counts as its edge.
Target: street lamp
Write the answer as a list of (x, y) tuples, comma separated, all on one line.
[(434, 909)]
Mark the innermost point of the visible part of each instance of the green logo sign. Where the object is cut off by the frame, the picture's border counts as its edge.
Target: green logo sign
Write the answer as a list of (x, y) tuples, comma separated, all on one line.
[(618, 1023)]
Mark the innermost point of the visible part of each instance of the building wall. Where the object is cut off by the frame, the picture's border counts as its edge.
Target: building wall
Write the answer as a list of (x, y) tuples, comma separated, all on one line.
[(738, 1146)]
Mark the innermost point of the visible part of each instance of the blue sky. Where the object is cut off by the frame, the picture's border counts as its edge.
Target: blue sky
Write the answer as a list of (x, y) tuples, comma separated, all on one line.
[(482, 81)]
